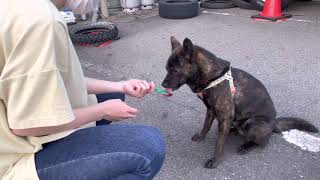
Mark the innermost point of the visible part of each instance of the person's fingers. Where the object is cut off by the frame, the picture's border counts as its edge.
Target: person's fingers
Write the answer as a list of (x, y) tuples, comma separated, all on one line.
[(152, 86), (137, 90), (141, 87), (130, 116), (144, 88), (132, 110), (146, 84)]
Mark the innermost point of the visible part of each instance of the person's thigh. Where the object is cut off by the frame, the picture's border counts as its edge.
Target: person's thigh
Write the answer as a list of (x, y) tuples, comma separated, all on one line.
[(105, 97), (103, 152)]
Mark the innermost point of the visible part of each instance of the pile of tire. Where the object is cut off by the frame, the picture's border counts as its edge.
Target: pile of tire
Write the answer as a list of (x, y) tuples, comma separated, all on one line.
[(182, 9), (259, 4), (244, 4), (178, 9), (217, 4)]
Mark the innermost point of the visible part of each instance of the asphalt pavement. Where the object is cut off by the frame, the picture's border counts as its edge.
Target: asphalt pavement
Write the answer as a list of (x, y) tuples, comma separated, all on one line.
[(285, 56)]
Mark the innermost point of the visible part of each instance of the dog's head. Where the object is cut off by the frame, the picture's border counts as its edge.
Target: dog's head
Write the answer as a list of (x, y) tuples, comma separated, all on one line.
[(180, 65)]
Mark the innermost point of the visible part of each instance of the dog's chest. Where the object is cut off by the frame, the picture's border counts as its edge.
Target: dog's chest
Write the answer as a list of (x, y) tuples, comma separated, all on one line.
[(200, 95), (204, 98)]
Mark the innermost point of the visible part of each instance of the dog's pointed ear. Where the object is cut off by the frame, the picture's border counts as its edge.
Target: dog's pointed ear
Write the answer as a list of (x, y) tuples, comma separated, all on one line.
[(174, 43), (187, 46)]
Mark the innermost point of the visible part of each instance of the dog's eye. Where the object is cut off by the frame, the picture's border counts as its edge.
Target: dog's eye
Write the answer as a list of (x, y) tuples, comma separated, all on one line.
[(175, 71)]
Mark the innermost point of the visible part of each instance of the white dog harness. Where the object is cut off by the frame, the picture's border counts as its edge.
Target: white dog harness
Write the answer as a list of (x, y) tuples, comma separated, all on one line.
[(227, 76)]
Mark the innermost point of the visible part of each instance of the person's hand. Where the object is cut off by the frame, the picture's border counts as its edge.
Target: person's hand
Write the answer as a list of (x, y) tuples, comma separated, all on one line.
[(137, 88), (116, 109)]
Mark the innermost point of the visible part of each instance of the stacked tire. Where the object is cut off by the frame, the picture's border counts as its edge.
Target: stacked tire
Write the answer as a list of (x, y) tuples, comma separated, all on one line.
[(178, 9), (182, 9), (217, 4), (259, 4), (244, 4)]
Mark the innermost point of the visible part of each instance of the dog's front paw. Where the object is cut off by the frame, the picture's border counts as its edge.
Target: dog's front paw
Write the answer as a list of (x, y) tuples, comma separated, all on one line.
[(197, 137), (241, 151), (246, 147), (211, 163)]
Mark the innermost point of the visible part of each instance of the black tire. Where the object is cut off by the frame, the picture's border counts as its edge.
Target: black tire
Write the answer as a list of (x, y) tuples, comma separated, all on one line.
[(216, 4), (93, 33), (178, 9), (259, 4), (242, 4)]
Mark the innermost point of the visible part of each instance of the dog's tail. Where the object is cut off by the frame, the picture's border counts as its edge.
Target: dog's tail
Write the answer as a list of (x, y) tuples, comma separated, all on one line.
[(287, 123)]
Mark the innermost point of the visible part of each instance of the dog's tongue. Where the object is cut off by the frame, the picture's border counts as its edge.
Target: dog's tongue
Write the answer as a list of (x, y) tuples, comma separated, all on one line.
[(169, 91)]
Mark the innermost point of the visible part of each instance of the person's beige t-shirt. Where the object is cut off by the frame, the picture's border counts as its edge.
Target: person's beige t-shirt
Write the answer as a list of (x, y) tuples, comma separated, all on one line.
[(41, 81)]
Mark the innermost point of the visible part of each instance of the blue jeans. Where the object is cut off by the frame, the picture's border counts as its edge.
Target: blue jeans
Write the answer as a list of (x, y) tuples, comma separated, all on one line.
[(116, 152)]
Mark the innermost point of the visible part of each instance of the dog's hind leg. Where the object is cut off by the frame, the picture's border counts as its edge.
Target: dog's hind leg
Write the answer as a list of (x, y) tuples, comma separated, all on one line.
[(246, 147), (257, 131), (206, 127)]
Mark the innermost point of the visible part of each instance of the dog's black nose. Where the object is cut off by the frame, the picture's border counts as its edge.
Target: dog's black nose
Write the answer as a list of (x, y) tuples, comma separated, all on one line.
[(164, 84)]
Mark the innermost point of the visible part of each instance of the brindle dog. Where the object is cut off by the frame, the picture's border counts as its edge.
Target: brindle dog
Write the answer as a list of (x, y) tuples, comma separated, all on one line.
[(249, 110)]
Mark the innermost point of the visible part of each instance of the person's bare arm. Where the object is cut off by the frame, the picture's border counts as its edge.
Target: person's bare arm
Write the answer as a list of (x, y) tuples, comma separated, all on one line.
[(112, 110), (133, 87), (95, 86)]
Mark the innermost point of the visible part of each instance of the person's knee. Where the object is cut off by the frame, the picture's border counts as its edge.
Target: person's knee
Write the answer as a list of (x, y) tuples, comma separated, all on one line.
[(153, 142), (146, 142), (155, 137)]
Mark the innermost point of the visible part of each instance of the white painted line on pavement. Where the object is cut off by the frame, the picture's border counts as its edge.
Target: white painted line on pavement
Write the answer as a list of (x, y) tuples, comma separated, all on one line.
[(302, 20), (302, 139)]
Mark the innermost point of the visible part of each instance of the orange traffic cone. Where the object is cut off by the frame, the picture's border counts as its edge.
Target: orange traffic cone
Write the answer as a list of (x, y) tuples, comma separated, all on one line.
[(272, 11)]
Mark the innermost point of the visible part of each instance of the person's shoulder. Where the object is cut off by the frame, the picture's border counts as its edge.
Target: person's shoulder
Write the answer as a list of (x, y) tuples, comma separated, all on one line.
[(31, 13)]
